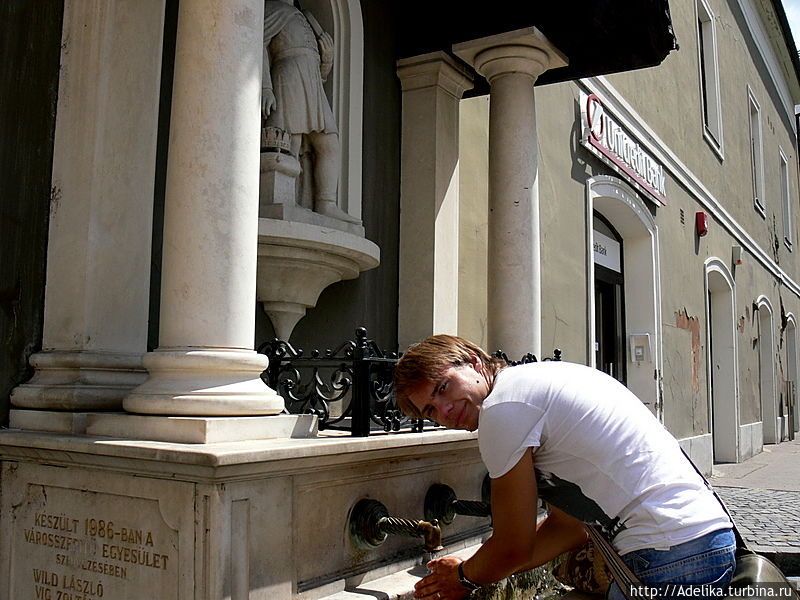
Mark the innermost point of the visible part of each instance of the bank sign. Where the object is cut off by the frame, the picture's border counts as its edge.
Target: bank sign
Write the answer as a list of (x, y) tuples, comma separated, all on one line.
[(606, 138)]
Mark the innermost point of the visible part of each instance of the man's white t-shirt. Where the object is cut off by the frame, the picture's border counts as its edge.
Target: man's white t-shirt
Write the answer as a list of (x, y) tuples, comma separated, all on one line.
[(599, 454)]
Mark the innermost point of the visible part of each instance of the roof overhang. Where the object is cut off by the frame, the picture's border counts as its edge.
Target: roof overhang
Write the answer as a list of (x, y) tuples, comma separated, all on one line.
[(597, 36)]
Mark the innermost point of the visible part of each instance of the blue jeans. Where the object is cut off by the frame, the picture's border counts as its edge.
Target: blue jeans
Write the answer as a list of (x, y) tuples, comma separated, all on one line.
[(709, 559)]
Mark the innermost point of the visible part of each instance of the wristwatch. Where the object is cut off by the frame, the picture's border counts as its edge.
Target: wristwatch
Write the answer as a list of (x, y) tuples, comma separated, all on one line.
[(470, 585)]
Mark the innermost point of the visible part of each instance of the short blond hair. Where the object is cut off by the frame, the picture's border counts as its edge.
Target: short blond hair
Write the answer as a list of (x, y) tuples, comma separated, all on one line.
[(423, 363)]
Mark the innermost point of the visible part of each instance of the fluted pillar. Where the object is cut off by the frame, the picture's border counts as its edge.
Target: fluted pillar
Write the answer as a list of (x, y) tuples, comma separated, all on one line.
[(205, 365), (511, 62)]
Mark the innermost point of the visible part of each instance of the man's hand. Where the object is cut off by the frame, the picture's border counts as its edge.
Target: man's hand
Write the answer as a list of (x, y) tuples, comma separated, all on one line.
[(443, 582), (267, 102)]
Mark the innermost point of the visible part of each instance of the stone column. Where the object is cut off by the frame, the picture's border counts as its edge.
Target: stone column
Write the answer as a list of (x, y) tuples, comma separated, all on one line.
[(432, 88), (205, 364), (511, 62), (98, 254)]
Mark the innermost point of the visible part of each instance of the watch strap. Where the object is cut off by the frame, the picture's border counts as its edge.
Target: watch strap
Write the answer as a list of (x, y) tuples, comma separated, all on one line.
[(465, 581)]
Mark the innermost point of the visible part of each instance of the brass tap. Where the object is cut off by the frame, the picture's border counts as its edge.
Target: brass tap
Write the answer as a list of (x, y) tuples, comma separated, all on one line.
[(370, 525)]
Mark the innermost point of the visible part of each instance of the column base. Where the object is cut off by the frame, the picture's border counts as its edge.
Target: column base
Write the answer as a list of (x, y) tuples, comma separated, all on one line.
[(54, 421), (201, 430), (207, 382), (79, 381)]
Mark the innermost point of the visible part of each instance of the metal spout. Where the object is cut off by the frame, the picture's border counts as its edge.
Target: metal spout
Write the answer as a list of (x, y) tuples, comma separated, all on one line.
[(371, 524), (442, 504)]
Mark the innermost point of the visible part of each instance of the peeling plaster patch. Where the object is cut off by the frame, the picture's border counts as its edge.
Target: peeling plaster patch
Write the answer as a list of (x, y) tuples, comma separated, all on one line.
[(784, 318), (692, 325), (742, 322)]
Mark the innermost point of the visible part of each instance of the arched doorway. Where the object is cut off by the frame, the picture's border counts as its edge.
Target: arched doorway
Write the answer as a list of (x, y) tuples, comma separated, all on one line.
[(766, 371), (722, 372), (791, 375), (627, 218)]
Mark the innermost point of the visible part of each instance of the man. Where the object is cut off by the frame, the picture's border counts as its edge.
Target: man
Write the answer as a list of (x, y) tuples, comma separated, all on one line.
[(298, 56), (585, 444)]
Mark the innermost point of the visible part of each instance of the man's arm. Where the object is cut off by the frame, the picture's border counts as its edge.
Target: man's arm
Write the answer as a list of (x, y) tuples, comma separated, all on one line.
[(556, 534), (515, 543)]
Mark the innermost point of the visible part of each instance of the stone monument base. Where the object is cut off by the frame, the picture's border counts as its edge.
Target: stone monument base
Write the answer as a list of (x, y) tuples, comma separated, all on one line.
[(90, 517)]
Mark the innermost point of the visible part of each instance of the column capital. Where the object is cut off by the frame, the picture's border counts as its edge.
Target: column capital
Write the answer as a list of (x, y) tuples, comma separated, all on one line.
[(435, 69), (525, 51)]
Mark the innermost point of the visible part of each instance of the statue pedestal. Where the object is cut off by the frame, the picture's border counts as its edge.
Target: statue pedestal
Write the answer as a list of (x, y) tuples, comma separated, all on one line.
[(94, 517), (278, 198), (279, 173)]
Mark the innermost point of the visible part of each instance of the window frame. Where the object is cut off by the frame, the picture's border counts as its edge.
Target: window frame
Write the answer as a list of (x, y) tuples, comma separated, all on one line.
[(786, 202), (709, 80), (756, 151)]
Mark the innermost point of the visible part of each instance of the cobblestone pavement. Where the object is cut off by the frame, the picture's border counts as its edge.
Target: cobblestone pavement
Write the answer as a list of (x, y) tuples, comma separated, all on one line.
[(769, 520), (763, 495)]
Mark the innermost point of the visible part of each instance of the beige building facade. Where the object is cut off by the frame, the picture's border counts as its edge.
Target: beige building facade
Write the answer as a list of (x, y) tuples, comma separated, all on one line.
[(668, 228)]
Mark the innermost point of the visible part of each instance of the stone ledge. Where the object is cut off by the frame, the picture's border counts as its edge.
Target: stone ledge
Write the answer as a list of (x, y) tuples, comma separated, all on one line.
[(48, 420), (182, 430), (396, 586), (242, 458), (400, 585), (201, 430)]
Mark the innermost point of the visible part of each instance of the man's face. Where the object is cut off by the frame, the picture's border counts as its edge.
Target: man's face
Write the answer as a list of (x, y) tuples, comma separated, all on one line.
[(453, 400)]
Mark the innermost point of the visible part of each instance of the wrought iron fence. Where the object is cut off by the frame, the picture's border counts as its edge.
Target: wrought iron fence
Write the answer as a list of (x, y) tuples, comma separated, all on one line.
[(349, 388), (527, 358)]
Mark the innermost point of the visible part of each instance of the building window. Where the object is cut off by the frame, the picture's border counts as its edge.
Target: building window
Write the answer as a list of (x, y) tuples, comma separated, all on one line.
[(785, 202), (709, 75), (756, 160)]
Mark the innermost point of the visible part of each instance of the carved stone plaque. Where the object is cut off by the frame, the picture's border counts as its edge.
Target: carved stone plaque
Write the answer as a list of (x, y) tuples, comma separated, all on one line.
[(91, 537)]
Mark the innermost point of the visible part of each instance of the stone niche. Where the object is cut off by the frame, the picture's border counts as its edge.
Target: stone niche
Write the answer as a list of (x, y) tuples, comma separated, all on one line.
[(95, 518), (310, 206)]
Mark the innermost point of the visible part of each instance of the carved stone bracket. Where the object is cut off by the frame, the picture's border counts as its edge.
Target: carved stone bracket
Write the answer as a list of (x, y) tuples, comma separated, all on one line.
[(296, 261)]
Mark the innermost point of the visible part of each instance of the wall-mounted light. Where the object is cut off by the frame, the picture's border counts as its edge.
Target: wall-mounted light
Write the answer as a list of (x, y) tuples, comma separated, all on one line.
[(701, 223)]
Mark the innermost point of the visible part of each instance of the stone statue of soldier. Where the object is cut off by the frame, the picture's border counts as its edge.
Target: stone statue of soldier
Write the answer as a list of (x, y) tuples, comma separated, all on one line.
[(298, 56)]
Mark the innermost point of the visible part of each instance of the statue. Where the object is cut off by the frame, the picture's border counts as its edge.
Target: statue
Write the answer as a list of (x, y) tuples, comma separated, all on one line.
[(298, 56)]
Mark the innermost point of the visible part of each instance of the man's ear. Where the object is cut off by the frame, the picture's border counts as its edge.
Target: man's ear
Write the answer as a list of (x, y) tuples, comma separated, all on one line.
[(476, 363)]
